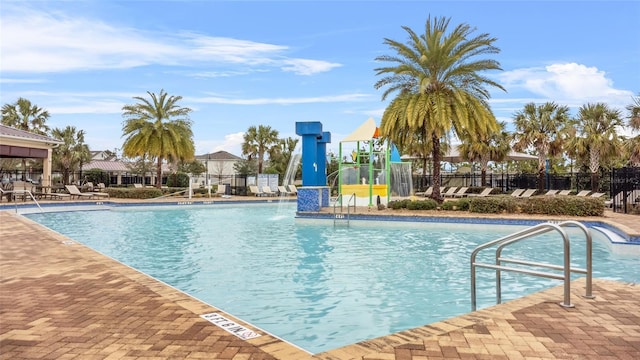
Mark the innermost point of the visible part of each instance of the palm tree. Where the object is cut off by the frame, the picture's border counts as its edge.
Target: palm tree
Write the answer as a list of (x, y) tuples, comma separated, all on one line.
[(542, 127), (280, 156), (70, 156), (485, 147), (25, 116), (633, 144), (439, 88), (159, 129), (258, 141), (597, 136)]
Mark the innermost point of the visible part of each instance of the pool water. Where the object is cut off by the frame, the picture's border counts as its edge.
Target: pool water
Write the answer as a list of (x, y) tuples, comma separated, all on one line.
[(316, 285)]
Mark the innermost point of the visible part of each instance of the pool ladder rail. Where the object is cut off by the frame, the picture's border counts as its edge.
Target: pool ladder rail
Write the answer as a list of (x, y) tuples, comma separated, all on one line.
[(24, 193), (529, 233), (341, 215)]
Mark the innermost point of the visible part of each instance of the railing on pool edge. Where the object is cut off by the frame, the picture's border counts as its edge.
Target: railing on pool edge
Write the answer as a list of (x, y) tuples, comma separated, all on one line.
[(341, 215), (528, 233), (23, 192)]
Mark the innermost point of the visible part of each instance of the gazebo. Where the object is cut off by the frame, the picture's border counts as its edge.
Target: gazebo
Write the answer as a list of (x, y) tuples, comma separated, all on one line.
[(20, 144)]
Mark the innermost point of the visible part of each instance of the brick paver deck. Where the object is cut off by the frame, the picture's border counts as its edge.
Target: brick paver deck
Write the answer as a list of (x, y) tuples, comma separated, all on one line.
[(61, 300)]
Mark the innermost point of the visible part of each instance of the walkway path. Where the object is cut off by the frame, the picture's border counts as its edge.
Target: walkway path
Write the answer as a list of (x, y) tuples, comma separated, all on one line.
[(61, 300)]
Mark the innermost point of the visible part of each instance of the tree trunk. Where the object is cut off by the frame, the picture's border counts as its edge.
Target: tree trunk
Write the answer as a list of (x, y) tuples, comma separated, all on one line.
[(159, 173), (540, 180), (595, 180), (436, 170)]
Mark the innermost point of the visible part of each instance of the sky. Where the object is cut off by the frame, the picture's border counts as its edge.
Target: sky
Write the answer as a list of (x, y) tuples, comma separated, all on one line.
[(238, 64)]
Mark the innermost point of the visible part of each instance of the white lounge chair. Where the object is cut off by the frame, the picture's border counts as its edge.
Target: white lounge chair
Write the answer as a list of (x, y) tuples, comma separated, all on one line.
[(517, 192), (583, 193), (462, 192), (75, 192), (255, 190), (527, 193), (564, 192), (292, 188), (486, 192), (449, 193), (596, 195), (283, 191), (221, 190), (268, 192), (551, 192)]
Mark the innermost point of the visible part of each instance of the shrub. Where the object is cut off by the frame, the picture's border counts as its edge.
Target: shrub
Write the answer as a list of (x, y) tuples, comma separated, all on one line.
[(428, 204), (563, 205), (133, 193), (493, 204), (97, 176), (178, 180), (398, 204)]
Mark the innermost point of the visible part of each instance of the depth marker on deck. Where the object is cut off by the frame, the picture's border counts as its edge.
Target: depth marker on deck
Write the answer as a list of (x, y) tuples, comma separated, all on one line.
[(230, 326)]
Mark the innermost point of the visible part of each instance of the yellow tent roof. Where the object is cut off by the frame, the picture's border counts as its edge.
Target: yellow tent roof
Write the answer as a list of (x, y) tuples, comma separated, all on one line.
[(365, 132)]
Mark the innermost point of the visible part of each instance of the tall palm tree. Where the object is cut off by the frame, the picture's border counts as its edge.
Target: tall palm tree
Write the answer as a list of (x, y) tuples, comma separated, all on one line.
[(597, 136), (158, 128), (633, 144), (542, 127), (439, 88), (70, 156), (258, 141), (25, 116), (485, 147)]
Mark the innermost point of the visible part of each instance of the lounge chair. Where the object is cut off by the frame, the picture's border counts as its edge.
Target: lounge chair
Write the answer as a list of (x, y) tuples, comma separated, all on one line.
[(283, 191), (486, 192), (527, 193), (268, 192), (292, 188), (583, 193), (564, 192), (517, 192), (255, 190), (75, 192), (427, 192), (450, 191), (21, 189), (551, 192), (138, 186), (596, 195), (462, 192), (221, 190)]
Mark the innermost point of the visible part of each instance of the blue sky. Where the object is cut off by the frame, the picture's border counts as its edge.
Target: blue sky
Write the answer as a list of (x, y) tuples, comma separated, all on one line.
[(244, 63)]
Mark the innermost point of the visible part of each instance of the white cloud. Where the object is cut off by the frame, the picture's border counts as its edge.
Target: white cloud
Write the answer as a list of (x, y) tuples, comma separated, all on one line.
[(569, 84), (37, 42), (284, 101), (308, 67)]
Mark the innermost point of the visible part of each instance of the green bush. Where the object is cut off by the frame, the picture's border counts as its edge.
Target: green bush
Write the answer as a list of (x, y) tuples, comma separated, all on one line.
[(133, 193), (493, 204), (428, 204), (97, 176), (398, 204), (460, 204), (563, 205), (178, 180)]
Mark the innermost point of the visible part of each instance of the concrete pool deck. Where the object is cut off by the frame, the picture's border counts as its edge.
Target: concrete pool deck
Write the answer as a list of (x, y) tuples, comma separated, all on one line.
[(62, 300)]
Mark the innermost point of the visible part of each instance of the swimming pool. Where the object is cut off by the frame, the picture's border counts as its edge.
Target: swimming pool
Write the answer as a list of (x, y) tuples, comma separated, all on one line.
[(314, 285)]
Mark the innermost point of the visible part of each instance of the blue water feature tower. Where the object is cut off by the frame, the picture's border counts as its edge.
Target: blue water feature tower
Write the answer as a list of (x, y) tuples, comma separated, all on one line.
[(314, 192)]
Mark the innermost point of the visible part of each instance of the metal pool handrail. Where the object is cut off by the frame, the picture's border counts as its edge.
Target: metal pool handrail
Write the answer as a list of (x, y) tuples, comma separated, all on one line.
[(337, 216), (13, 192), (528, 233)]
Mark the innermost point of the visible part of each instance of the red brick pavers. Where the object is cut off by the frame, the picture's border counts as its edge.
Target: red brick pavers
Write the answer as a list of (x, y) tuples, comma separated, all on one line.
[(61, 300)]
